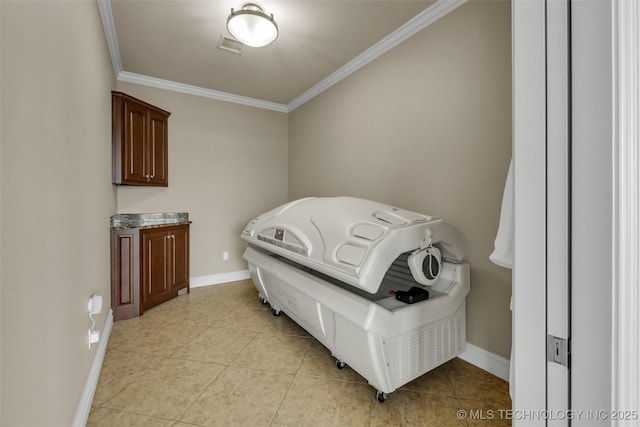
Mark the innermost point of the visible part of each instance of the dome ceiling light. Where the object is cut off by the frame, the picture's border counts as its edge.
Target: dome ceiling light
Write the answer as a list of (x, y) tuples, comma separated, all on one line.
[(252, 26)]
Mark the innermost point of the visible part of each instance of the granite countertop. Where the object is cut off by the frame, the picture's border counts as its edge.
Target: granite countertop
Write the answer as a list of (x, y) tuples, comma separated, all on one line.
[(148, 220)]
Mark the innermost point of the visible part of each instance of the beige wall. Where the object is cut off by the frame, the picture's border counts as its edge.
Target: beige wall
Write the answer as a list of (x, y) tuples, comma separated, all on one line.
[(227, 164), (56, 201), (435, 110), (427, 127)]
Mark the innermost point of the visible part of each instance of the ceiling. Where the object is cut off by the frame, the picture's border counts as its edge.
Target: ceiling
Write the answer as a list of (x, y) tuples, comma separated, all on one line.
[(174, 43)]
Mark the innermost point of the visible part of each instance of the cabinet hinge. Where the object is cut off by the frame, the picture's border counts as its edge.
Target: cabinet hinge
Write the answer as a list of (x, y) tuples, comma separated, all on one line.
[(558, 350)]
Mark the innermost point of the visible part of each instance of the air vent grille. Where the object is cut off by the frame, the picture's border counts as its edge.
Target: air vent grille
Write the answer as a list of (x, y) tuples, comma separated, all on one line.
[(230, 44)]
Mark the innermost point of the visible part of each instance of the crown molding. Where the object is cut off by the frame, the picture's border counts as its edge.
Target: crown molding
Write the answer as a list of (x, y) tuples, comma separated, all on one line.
[(106, 14), (140, 79), (413, 26)]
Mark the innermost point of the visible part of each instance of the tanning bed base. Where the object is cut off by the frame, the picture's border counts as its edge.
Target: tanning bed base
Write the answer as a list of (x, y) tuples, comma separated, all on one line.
[(388, 342)]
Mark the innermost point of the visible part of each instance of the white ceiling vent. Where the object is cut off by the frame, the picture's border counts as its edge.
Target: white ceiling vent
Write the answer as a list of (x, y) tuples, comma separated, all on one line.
[(230, 44)]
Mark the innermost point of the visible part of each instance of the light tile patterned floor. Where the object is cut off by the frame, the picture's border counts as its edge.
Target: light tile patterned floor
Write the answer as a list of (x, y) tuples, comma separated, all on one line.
[(219, 357)]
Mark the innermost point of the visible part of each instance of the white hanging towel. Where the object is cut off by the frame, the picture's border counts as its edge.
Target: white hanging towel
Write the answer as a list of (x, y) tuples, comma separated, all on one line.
[(503, 250), (503, 247)]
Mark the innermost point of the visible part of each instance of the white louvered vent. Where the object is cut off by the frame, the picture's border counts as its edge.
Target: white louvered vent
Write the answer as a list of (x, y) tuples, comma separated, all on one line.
[(230, 44)]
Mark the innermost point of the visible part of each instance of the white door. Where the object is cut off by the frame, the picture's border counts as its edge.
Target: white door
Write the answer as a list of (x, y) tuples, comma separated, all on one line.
[(541, 98), (558, 196), (605, 63), (604, 222), (593, 209)]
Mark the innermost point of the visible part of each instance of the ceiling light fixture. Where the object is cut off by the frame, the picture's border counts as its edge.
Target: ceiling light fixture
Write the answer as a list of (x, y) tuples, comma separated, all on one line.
[(252, 26)]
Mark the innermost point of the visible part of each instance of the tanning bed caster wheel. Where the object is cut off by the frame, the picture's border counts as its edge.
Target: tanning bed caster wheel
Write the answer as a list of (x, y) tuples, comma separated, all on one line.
[(276, 312), (340, 364), (380, 396)]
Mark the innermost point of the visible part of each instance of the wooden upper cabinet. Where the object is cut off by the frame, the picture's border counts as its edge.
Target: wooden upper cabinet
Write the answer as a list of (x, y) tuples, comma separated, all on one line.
[(140, 142), (158, 148)]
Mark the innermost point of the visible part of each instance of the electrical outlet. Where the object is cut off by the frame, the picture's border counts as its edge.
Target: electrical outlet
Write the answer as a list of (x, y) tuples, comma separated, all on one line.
[(225, 256), (94, 337)]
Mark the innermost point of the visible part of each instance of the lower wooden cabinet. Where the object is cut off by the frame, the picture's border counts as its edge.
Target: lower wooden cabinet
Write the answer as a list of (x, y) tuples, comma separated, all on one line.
[(125, 273), (149, 266)]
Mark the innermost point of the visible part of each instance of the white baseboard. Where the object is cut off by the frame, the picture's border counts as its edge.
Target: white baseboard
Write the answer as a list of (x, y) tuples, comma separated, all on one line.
[(215, 279), (492, 363), (82, 414)]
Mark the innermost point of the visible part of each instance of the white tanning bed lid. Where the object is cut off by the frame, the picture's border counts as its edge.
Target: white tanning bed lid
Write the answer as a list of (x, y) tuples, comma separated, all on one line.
[(354, 240)]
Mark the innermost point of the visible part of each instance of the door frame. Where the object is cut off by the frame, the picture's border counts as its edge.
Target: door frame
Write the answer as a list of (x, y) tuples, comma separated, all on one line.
[(529, 173), (621, 319), (626, 295)]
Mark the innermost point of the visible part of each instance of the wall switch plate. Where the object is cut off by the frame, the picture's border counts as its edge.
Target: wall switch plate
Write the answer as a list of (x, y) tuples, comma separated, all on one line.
[(225, 256)]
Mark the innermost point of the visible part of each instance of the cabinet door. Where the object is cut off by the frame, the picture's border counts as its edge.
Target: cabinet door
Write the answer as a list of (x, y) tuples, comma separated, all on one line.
[(180, 255), (139, 142), (135, 164), (157, 149), (155, 284)]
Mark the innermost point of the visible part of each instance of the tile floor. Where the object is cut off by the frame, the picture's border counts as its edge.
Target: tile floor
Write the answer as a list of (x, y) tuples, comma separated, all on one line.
[(219, 357)]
